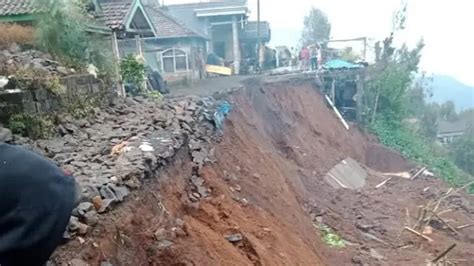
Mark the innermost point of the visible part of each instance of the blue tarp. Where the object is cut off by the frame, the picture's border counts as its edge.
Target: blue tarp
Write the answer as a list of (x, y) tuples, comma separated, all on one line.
[(223, 109), (340, 64), (216, 111)]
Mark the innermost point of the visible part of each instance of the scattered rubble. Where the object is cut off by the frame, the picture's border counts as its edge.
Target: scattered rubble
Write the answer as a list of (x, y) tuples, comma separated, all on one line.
[(112, 152), (5, 135), (13, 61)]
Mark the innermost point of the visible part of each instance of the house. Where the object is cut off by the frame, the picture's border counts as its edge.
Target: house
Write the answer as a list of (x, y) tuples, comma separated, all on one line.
[(226, 28), (342, 82), (167, 45), (249, 37), (179, 52), (26, 12), (448, 132), (174, 39)]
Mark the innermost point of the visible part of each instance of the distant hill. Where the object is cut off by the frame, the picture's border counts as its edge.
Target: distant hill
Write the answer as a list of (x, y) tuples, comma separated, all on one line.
[(446, 88)]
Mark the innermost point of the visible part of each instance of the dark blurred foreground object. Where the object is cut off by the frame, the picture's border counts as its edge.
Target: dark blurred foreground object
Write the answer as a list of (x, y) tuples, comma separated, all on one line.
[(37, 199), (156, 81)]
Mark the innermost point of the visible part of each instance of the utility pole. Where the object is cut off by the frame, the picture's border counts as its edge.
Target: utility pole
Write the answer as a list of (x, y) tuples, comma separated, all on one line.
[(258, 34)]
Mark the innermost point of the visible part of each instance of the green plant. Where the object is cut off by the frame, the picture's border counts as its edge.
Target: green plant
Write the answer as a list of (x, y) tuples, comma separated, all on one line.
[(61, 31), (133, 71), (349, 55), (463, 152), (33, 126), (420, 149), (82, 107), (330, 238), (53, 84), (154, 95)]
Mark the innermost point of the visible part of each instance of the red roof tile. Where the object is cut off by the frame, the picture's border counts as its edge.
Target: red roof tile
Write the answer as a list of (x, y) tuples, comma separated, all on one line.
[(18, 7)]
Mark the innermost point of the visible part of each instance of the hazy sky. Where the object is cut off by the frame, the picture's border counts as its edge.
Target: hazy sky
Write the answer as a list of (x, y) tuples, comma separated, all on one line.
[(446, 27)]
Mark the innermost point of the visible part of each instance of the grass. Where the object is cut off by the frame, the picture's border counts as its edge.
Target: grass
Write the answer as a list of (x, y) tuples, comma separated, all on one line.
[(330, 237), (12, 33), (421, 150)]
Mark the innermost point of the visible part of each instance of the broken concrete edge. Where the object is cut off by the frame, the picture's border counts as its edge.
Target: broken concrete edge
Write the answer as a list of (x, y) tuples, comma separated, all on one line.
[(109, 175)]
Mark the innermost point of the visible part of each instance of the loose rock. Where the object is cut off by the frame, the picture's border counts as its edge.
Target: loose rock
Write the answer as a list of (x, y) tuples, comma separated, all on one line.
[(234, 238), (5, 135), (78, 262)]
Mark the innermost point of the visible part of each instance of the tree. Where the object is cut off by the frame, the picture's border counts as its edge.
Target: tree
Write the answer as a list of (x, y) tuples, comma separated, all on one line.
[(349, 55), (463, 152), (429, 120), (61, 30), (390, 80), (317, 28), (448, 111)]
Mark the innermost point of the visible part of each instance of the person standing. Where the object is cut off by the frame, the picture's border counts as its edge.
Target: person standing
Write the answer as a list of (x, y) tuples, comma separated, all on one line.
[(314, 57), (294, 58), (305, 58)]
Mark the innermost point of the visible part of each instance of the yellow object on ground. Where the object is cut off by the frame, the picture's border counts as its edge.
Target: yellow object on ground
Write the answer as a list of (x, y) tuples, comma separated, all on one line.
[(221, 70)]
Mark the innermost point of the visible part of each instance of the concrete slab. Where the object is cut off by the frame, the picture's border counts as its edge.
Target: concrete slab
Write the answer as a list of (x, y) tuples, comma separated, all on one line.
[(347, 174)]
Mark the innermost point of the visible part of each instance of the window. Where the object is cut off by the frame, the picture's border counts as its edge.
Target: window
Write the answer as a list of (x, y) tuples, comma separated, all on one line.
[(174, 60)]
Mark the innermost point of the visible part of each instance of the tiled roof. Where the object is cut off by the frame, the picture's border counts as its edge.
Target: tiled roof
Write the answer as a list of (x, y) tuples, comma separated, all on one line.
[(168, 27), (114, 14), (212, 4), (446, 127), (250, 31), (18, 7)]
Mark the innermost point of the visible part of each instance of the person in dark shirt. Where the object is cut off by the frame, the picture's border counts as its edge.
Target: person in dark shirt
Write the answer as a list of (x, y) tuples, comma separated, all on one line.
[(36, 202)]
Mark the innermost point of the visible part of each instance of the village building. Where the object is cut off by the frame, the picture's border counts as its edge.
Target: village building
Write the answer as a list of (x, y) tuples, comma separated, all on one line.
[(228, 33), (167, 46), (448, 131), (342, 82), (26, 12), (174, 40)]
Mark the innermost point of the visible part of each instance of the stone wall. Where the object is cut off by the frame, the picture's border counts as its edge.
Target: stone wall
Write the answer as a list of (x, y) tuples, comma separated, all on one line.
[(35, 97)]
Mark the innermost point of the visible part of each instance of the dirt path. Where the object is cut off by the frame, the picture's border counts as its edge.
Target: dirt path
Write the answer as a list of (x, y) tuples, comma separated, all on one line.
[(208, 86)]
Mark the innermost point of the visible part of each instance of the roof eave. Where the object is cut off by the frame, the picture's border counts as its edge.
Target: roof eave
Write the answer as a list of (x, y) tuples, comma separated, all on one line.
[(19, 17), (128, 18)]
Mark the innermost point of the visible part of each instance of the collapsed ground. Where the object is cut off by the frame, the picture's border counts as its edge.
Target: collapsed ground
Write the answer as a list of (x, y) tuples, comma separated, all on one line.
[(254, 194)]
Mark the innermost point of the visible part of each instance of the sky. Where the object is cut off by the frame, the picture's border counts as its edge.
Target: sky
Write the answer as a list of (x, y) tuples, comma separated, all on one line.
[(444, 25)]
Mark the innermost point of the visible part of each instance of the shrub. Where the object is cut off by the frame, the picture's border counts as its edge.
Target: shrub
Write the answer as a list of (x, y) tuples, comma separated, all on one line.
[(13, 33), (133, 71), (33, 126)]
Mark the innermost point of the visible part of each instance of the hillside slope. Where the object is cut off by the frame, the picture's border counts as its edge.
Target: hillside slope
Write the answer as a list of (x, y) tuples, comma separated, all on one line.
[(268, 196), (446, 88)]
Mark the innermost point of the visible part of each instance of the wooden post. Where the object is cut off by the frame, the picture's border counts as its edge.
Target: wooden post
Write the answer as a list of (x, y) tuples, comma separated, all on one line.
[(359, 98), (235, 34), (338, 114), (259, 36), (376, 104), (140, 53), (444, 253), (333, 90), (115, 49), (365, 49)]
